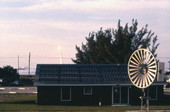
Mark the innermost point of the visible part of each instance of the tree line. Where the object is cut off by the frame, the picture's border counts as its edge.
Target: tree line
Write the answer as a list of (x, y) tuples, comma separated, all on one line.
[(114, 46), (8, 74)]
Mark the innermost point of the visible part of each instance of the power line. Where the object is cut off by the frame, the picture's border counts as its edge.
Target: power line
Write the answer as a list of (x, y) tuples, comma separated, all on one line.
[(62, 57), (38, 57), (164, 57)]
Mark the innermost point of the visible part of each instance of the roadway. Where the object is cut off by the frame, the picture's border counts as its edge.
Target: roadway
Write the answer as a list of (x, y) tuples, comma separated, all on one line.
[(14, 90), (167, 90)]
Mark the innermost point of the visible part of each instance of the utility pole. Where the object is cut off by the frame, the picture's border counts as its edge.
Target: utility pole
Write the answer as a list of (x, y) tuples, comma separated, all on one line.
[(169, 65), (18, 64), (29, 64)]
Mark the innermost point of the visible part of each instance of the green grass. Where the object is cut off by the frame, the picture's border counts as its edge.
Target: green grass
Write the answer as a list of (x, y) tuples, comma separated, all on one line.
[(27, 103)]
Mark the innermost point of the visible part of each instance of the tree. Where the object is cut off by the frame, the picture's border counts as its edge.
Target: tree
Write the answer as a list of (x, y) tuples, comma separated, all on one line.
[(8, 74), (115, 45)]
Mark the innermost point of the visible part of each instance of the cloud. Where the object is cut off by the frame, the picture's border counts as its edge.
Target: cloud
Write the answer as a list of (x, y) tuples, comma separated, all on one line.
[(40, 26), (78, 26), (41, 37), (84, 10), (82, 5), (96, 5)]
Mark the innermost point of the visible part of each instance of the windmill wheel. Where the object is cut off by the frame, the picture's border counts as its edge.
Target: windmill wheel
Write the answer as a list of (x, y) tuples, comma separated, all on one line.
[(142, 68)]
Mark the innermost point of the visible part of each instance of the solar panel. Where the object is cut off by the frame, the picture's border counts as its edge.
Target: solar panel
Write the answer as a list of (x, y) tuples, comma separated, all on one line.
[(81, 74)]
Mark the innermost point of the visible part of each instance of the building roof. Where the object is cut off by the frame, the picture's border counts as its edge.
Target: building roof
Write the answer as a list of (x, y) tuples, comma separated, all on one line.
[(81, 75)]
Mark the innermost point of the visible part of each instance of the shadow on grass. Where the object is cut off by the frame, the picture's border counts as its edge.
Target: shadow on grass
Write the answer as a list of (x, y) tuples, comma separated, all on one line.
[(20, 102)]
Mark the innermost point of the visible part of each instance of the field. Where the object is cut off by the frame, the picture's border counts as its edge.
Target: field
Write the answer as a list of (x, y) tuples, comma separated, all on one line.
[(26, 103)]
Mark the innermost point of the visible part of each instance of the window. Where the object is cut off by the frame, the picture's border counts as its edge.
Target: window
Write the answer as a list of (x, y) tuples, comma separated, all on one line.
[(87, 90), (65, 93)]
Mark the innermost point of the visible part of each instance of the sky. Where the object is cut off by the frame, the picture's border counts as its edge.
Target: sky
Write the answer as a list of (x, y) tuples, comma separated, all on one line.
[(50, 29)]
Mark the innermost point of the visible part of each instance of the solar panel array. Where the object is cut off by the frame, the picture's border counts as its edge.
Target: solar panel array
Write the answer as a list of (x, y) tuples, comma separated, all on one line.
[(81, 74)]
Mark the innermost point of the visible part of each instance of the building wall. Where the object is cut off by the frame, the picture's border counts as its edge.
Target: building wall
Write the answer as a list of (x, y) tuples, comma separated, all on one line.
[(156, 94), (134, 94), (52, 95), (160, 100)]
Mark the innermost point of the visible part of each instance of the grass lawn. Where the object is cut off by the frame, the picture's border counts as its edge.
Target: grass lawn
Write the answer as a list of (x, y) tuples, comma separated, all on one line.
[(27, 103)]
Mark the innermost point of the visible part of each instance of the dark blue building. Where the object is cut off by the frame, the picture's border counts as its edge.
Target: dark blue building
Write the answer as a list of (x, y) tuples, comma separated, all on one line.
[(90, 84)]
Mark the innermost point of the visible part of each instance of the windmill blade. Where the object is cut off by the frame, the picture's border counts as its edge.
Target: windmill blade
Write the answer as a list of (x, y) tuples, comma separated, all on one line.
[(136, 59), (142, 68)]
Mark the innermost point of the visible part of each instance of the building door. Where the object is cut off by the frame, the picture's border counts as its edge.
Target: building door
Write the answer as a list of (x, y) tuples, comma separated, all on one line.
[(120, 95), (116, 95), (65, 93)]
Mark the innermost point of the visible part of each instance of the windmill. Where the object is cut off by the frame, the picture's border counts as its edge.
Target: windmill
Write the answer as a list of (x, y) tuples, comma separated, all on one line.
[(142, 70)]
